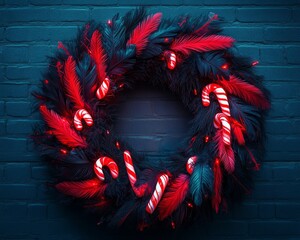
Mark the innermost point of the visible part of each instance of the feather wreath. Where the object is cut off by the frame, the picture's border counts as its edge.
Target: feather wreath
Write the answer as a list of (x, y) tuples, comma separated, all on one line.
[(98, 167)]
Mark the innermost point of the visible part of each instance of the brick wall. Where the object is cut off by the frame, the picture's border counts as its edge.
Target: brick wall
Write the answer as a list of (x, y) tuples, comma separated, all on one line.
[(266, 30)]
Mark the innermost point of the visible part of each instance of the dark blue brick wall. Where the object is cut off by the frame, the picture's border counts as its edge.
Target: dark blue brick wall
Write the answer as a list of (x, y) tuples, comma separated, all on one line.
[(151, 120)]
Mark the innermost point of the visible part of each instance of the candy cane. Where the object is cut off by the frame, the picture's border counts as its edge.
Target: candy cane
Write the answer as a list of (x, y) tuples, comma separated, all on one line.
[(110, 163), (171, 59), (82, 114), (221, 96), (221, 120), (190, 164), (103, 89), (158, 192), (139, 191)]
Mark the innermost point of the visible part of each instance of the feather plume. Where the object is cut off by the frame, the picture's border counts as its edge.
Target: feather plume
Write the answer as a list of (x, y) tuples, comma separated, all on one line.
[(201, 182), (61, 129), (216, 198), (186, 44), (224, 152), (238, 131), (72, 84), (98, 55), (174, 196), (84, 189), (141, 33), (245, 91)]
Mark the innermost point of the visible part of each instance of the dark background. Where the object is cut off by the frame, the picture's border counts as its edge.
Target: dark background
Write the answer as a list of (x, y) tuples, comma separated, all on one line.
[(151, 120)]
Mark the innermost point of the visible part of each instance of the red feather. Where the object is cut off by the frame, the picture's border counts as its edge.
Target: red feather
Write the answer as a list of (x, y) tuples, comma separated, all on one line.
[(225, 152), (216, 199), (61, 129), (98, 55), (140, 34), (84, 189), (72, 83), (186, 44), (174, 197), (238, 131), (245, 91)]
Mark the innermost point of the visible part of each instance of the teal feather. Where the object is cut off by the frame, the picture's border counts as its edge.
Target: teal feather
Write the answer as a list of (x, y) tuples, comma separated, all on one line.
[(201, 182)]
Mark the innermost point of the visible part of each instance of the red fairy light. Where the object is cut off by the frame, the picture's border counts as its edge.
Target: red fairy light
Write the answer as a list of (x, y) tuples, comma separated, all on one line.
[(224, 66), (255, 63), (107, 132), (173, 225), (63, 151), (217, 161), (46, 81), (190, 205), (121, 85), (117, 145), (193, 139), (166, 40), (206, 139), (195, 92), (109, 22)]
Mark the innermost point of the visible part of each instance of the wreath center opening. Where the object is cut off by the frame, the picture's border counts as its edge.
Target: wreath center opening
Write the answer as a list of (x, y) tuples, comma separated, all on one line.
[(152, 121)]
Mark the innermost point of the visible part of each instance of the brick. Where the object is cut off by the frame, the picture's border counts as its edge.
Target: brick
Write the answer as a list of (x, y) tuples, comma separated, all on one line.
[(296, 14), (282, 34), (12, 211), (139, 109), (38, 53), (292, 54), (40, 172), (16, 2), (245, 211), (17, 191), (17, 172), (292, 108), (28, 73), (19, 126), (288, 210), (37, 211), (45, 2), (152, 2), (284, 172), (249, 51), (18, 109), (2, 127), (283, 91), (36, 33), (279, 73), (90, 2), (13, 90), (274, 228), (249, 2), (2, 108), (44, 15), (283, 143), (266, 210), (12, 145), (228, 228), (16, 229), (170, 109), (264, 173), (264, 15), (15, 54), (280, 127), (144, 144), (271, 55), (245, 34)]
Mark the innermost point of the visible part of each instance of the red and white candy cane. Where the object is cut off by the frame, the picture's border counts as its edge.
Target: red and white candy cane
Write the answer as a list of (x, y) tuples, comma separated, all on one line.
[(221, 96), (221, 120), (171, 59), (103, 89), (190, 164), (158, 192), (108, 162), (82, 114), (139, 191)]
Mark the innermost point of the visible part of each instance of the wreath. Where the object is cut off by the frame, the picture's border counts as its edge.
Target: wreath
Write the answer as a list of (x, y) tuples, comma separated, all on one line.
[(188, 57)]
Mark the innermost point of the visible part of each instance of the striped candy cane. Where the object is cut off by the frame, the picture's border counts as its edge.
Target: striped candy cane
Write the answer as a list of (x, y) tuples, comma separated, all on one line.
[(221, 96), (221, 120), (110, 163), (103, 89), (139, 191), (170, 59), (190, 164), (158, 192), (82, 114)]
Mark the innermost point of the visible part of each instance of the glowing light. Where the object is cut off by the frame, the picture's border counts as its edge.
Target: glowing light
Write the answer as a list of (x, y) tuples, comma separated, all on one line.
[(224, 66), (190, 205), (173, 225), (63, 151), (195, 92), (46, 81), (217, 161), (206, 139), (166, 40), (117, 145), (255, 63), (107, 132), (121, 85), (109, 22)]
